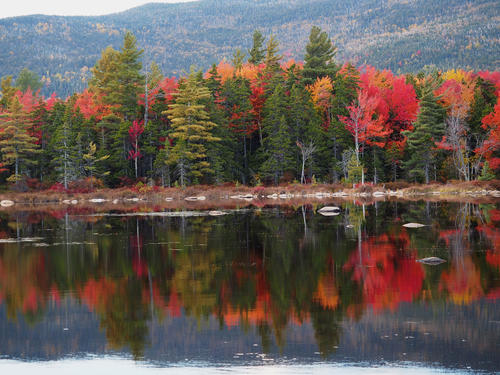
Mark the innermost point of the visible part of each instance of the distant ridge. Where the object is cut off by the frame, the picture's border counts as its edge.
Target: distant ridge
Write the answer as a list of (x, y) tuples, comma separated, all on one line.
[(400, 35)]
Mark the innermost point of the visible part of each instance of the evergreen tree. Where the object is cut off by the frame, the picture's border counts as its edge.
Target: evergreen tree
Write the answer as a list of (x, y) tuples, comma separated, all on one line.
[(272, 58), (191, 125), (319, 57), (63, 145), (104, 72), (161, 163), (428, 129), (257, 52), (93, 164), (238, 58), (304, 126), (28, 80), (223, 155), (278, 147), (17, 146), (236, 92), (7, 90), (117, 77), (129, 80), (277, 153)]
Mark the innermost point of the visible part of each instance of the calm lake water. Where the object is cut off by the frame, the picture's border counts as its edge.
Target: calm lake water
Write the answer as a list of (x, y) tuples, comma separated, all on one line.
[(261, 290)]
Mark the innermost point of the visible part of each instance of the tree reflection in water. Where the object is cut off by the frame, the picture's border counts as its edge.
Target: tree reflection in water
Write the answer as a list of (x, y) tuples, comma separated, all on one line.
[(264, 270)]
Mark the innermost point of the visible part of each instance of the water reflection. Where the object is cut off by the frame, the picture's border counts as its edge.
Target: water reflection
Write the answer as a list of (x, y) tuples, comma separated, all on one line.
[(269, 282)]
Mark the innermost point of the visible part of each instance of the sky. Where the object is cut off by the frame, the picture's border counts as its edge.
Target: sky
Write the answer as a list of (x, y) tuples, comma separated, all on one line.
[(13, 8)]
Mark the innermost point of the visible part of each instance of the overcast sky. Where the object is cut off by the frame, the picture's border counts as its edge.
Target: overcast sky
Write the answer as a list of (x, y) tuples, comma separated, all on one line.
[(12, 8)]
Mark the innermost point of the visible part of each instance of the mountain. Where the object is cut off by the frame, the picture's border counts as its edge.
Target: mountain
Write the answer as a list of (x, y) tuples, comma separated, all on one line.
[(400, 35)]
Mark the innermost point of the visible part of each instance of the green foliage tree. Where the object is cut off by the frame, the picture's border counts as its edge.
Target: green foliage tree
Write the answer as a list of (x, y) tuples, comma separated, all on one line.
[(17, 145), (7, 90), (117, 76), (93, 165), (278, 146), (272, 58), (63, 142), (354, 170), (256, 53), (191, 125), (486, 174), (305, 128), (428, 129), (319, 57), (28, 80)]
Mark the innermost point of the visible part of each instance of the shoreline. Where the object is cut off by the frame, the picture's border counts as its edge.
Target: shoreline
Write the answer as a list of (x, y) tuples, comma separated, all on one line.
[(202, 196)]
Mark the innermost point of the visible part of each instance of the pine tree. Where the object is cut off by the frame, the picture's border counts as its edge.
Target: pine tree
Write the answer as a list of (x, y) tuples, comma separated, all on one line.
[(257, 52), (191, 125), (428, 129), (16, 145), (319, 57)]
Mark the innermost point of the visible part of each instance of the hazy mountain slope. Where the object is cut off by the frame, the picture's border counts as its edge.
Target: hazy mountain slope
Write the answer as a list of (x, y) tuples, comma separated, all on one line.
[(395, 34)]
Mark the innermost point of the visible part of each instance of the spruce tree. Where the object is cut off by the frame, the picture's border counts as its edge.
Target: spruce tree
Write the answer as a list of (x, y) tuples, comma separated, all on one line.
[(191, 126), (427, 130), (319, 57)]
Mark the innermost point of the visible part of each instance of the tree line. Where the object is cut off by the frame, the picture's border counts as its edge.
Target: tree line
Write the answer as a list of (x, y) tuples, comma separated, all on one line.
[(256, 119)]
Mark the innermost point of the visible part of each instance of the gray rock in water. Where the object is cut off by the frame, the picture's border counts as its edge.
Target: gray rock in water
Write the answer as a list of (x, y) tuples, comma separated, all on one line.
[(413, 225), (432, 261)]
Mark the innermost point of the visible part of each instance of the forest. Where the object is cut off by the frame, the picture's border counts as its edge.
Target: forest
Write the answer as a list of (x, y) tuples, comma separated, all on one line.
[(400, 35), (255, 119)]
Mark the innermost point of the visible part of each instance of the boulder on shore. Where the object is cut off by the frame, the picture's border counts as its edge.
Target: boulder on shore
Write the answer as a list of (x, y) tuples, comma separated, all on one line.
[(6, 203)]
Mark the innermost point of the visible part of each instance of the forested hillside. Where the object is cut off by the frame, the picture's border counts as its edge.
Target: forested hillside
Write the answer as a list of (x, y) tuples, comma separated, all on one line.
[(402, 35), (264, 120)]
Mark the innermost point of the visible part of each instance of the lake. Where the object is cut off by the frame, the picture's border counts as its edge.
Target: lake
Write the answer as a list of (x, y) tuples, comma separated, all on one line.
[(257, 290)]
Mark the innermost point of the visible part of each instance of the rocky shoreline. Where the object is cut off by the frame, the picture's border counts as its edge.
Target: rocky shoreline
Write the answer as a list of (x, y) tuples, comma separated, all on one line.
[(215, 196)]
